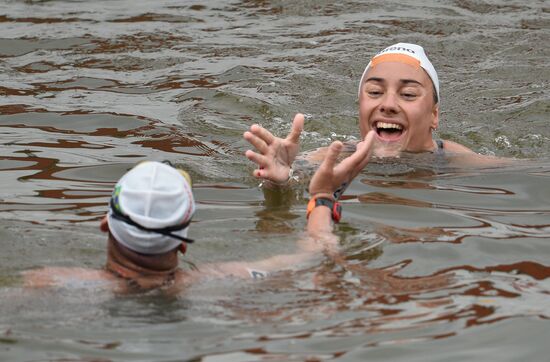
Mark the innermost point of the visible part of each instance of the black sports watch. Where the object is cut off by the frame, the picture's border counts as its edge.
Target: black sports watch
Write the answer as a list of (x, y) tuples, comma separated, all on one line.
[(334, 206)]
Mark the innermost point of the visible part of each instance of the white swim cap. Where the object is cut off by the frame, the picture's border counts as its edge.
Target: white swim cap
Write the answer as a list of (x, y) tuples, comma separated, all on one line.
[(406, 53), (151, 207)]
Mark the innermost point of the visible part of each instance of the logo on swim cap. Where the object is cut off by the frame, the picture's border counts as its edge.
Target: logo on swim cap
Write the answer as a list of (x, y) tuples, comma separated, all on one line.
[(404, 50), (395, 49)]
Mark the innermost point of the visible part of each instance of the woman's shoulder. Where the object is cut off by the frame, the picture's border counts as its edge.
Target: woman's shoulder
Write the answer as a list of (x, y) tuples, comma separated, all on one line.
[(454, 147), (463, 156), (318, 154)]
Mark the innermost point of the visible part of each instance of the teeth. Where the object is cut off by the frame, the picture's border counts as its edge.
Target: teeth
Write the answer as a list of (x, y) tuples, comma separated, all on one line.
[(389, 125)]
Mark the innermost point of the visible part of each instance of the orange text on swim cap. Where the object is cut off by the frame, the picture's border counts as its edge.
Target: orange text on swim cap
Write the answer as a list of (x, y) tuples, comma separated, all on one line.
[(400, 58)]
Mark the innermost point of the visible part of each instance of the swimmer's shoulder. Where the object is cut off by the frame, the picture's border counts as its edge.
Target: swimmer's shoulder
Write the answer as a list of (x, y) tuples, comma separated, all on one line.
[(67, 277), (453, 147), (463, 156), (317, 155)]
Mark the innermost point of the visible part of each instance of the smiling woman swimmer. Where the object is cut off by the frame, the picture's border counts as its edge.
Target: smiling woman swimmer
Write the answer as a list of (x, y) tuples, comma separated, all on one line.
[(398, 99)]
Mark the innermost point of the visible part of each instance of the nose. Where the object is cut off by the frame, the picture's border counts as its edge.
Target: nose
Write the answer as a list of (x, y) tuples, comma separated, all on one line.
[(388, 103)]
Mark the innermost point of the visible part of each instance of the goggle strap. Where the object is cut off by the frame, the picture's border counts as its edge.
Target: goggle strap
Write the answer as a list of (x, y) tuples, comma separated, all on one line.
[(163, 231)]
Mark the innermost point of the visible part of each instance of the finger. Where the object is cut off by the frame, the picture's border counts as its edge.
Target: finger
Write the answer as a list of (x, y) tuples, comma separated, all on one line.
[(353, 162), (297, 128), (360, 158), (257, 142), (347, 169), (258, 173), (258, 159), (262, 133), (366, 149), (332, 155), (363, 150), (369, 139), (264, 174)]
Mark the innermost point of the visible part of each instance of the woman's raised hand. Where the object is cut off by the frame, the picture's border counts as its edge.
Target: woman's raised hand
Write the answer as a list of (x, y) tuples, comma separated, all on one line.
[(274, 155), (331, 179)]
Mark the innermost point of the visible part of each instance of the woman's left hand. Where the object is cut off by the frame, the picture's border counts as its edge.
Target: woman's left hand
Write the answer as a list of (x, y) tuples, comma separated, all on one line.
[(331, 179)]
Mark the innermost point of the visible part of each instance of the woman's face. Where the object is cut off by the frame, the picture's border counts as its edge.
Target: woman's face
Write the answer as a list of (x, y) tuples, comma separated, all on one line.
[(397, 101)]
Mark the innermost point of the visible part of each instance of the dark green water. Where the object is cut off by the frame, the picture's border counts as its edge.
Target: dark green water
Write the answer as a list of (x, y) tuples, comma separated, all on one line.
[(443, 263)]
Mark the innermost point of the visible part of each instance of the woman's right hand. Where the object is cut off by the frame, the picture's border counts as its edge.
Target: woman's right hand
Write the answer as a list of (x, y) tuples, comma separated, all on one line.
[(274, 155)]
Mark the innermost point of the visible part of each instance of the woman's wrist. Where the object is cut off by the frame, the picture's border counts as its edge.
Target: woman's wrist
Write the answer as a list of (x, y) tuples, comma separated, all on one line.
[(325, 199), (274, 184), (324, 195)]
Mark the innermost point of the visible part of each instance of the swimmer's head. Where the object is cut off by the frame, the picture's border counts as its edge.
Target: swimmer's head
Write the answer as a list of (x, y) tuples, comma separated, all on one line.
[(406, 53), (151, 208)]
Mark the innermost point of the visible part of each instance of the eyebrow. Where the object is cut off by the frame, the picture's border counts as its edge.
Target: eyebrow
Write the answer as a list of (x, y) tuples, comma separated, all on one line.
[(404, 81)]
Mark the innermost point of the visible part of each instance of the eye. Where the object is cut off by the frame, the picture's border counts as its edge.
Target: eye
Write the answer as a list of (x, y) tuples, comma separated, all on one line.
[(408, 95), (374, 92)]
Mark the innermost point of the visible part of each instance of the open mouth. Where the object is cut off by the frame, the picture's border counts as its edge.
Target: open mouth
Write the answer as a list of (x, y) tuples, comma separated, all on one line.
[(388, 131)]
